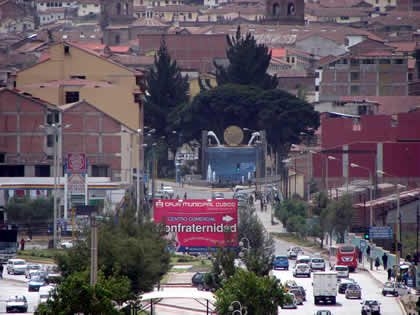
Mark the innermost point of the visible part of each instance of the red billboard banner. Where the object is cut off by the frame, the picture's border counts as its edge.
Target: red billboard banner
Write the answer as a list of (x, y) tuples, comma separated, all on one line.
[(199, 225)]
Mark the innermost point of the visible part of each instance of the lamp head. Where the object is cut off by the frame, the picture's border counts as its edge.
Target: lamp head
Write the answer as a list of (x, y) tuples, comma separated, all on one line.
[(354, 165)]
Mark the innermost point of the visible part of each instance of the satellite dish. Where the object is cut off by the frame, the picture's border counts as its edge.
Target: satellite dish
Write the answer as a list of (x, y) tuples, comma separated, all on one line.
[(233, 135)]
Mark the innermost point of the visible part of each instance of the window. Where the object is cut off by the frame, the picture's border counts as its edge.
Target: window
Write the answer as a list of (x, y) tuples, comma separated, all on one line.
[(50, 141), (354, 62), (410, 77), (189, 15), (52, 118), (42, 171), (117, 39), (398, 61), (355, 76), (384, 61), (72, 97), (344, 17), (355, 90), (368, 61), (2, 157), (67, 50), (100, 171), (118, 8), (82, 77)]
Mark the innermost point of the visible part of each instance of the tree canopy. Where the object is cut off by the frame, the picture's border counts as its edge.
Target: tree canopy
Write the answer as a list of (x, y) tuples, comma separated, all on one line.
[(25, 210), (258, 295), (248, 63), (138, 250), (166, 89)]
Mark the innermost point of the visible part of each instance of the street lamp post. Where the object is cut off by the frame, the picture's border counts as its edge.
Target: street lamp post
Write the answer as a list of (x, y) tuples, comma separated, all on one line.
[(326, 174), (370, 191), (57, 128)]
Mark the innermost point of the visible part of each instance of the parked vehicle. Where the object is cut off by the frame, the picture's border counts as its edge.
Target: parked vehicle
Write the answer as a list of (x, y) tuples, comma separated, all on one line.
[(342, 287), (292, 304), (370, 307), (293, 252), (317, 263), (353, 291), (66, 244), (302, 270), (394, 288), (302, 290), (289, 284), (198, 280), (30, 268), (35, 283), (281, 262), (342, 271), (16, 304), (217, 195), (325, 287), (16, 266)]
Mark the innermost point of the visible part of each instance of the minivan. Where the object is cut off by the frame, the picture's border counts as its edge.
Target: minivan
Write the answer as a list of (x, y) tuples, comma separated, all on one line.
[(342, 271)]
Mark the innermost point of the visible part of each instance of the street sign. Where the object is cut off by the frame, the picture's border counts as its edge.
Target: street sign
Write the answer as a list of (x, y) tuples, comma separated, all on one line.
[(383, 232), (85, 210), (76, 163), (76, 183), (363, 244)]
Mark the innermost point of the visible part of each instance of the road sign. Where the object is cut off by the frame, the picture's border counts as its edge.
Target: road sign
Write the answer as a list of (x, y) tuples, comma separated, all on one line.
[(76, 163), (76, 183), (363, 244), (383, 232)]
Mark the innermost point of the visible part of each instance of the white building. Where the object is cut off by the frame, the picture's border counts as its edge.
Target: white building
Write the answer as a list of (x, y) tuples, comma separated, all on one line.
[(89, 7), (44, 5)]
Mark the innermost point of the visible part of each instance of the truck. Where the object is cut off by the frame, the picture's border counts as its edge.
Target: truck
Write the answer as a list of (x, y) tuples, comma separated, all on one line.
[(325, 287), (8, 238)]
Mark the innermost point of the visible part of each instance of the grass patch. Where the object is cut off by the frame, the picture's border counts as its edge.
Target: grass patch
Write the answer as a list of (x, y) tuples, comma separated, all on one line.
[(42, 260), (41, 255), (294, 239), (196, 263)]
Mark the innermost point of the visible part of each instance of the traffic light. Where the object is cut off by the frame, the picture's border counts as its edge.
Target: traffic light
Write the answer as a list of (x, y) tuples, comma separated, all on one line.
[(366, 235), (238, 167)]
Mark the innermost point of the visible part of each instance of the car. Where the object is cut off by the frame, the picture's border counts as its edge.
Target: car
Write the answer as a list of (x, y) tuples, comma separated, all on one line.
[(168, 190), (217, 195), (342, 287), (298, 295), (290, 284), (302, 290), (302, 270), (16, 304), (16, 266), (293, 252), (66, 244), (198, 280), (281, 262), (394, 288), (342, 271), (52, 274), (323, 312), (303, 259), (31, 268), (371, 307), (35, 283), (44, 293), (353, 291), (291, 303), (317, 263)]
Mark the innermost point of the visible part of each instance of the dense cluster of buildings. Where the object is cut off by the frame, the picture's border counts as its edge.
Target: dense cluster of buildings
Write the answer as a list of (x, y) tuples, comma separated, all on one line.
[(80, 64)]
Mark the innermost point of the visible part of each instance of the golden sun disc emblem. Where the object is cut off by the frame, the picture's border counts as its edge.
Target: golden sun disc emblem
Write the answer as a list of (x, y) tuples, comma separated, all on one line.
[(233, 135)]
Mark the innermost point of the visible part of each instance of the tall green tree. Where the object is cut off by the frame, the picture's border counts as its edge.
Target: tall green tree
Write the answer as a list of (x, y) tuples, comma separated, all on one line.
[(248, 63), (25, 210), (138, 250), (258, 245), (258, 295), (319, 208), (166, 89), (340, 214)]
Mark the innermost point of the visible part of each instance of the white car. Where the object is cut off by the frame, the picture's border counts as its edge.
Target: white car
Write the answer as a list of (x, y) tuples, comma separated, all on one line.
[(302, 270), (44, 293), (317, 263), (17, 303), (66, 244), (168, 190), (342, 271), (371, 307), (30, 268), (394, 288), (16, 266)]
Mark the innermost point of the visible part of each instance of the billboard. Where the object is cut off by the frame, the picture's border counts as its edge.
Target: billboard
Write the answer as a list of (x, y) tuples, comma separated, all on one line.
[(76, 163), (199, 225)]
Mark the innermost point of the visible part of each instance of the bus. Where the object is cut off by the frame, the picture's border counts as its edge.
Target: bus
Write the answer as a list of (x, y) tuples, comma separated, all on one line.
[(345, 255)]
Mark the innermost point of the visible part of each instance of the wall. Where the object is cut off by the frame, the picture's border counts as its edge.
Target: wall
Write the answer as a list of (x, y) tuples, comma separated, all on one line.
[(320, 46), (117, 101)]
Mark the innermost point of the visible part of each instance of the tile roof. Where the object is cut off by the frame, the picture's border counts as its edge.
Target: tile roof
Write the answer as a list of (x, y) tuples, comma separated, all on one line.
[(404, 46), (374, 53), (128, 60), (52, 10), (278, 52), (30, 47), (338, 12), (120, 49), (177, 8), (410, 18), (291, 73), (257, 9), (389, 104), (29, 96), (340, 3), (149, 22)]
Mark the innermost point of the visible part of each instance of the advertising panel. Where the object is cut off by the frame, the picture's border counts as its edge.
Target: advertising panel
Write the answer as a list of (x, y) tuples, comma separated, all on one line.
[(76, 163), (199, 225)]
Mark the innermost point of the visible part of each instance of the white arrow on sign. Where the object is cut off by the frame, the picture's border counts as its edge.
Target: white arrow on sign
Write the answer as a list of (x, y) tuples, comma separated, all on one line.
[(227, 218)]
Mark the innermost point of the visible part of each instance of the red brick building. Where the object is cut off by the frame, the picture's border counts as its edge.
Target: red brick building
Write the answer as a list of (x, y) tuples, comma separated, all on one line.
[(191, 51), (26, 150), (370, 68)]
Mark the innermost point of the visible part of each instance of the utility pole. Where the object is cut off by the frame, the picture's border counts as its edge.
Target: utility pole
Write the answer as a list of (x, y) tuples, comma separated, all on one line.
[(93, 249)]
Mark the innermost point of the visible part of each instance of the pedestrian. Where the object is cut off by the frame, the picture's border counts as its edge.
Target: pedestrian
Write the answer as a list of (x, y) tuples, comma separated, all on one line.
[(389, 273), (22, 244), (368, 251), (408, 258), (385, 261), (262, 204), (359, 255), (185, 196), (377, 262), (1, 271)]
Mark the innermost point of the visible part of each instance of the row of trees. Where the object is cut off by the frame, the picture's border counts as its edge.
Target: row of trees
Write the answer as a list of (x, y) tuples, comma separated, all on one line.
[(328, 216)]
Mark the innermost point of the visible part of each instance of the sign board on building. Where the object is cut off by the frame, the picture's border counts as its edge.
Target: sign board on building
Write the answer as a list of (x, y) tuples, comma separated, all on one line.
[(85, 210), (363, 244), (199, 225), (76, 163), (76, 183), (383, 232)]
